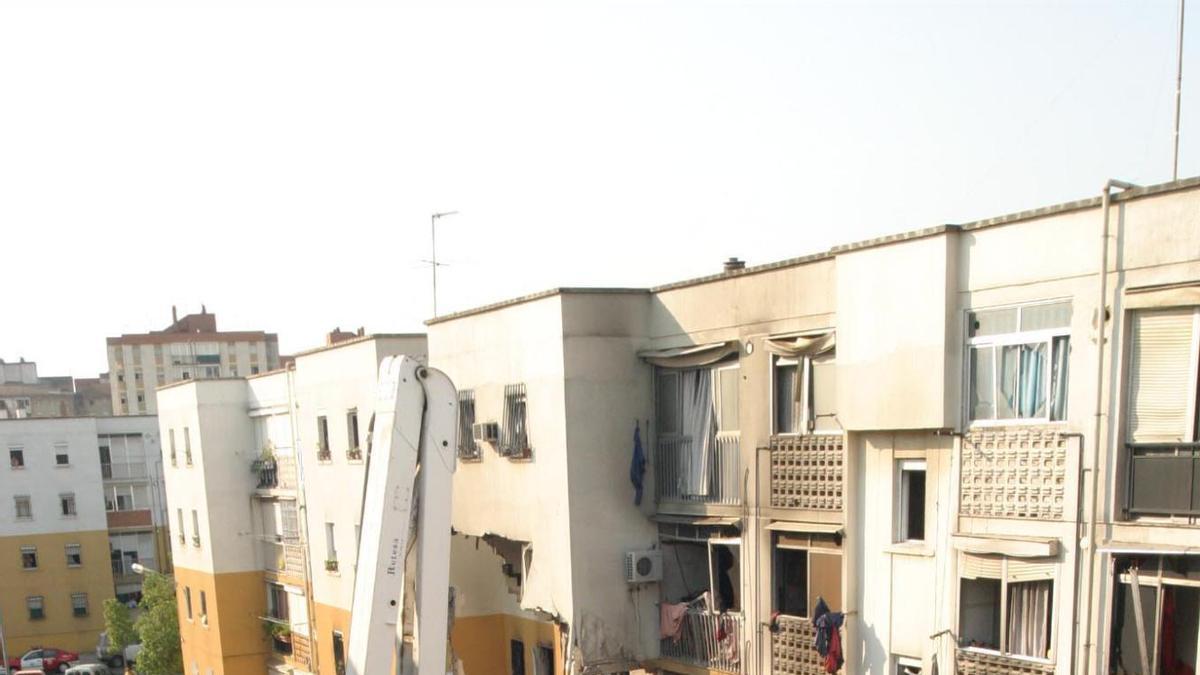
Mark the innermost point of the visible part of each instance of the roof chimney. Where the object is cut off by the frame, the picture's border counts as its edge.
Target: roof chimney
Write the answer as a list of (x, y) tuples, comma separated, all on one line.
[(174, 314), (733, 265), (362, 331), (203, 309)]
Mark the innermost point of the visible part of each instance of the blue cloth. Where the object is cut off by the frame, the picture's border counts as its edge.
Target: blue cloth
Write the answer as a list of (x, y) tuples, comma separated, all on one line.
[(637, 468), (827, 623)]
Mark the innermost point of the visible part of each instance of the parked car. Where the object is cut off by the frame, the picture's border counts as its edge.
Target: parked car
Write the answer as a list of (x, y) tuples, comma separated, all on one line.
[(46, 659), (26, 671), (112, 660), (89, 669)]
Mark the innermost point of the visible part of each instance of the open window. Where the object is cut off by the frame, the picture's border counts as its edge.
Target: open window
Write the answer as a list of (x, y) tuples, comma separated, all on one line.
[(698, 414), (699, 560), (514, 441), (910, 500), (1005, 606), (1161, 595), (805, 568), (1017, 362), (803, 384)]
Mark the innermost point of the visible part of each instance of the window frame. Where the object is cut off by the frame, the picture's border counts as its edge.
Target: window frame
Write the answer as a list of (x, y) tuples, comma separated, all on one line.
[(40, 609), (28, 501), (776, 547), (1051, 638), (468, 449), (514, 443), (16, 457), (75, 607), (67, 506), (1018, 337), (78, 553), (1193, 405), (901, 497), (804, 415), (30, 551)]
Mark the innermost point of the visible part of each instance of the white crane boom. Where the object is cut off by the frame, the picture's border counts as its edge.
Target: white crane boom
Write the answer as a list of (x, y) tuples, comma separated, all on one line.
[(410, 466)]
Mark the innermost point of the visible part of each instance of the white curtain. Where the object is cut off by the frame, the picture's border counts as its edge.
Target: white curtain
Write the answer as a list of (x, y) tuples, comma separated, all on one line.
[(1029, 618), (699, 426)]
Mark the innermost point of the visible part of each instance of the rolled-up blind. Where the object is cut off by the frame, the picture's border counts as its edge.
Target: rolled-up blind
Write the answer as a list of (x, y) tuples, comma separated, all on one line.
[(981, 566), (1161, 376)]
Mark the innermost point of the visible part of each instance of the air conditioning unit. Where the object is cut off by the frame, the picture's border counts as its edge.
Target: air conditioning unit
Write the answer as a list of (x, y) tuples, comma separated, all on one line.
[(486, 432), (643, 567)]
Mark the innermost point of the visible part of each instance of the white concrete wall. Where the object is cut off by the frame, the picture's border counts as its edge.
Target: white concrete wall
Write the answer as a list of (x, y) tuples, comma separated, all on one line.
[(43, 480)]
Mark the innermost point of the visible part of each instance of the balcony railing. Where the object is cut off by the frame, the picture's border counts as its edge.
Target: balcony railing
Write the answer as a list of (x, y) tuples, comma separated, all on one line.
[(807, 472), (123, 471), (972, 662), (1162, 479), (275, 473), (283, 557), (792, 651), (707, 640), (686, 476)]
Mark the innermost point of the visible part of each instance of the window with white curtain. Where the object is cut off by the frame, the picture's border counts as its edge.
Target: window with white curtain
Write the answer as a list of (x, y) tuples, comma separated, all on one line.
[(1005, 605), (803, 394), (1017, 362)]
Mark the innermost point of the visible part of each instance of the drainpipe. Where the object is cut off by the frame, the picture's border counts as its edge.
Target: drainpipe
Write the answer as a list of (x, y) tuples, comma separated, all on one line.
[(1098, 416), (310, 601)]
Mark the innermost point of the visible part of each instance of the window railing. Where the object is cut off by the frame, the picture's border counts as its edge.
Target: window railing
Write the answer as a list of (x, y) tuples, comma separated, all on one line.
[(1162, 479), (975, 662), (707, 640), (123, 471), (683, 475), (354, 454), (275, 473), (324, 454)]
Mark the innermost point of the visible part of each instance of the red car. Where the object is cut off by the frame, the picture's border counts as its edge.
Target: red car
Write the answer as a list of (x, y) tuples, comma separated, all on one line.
[(47, 659)]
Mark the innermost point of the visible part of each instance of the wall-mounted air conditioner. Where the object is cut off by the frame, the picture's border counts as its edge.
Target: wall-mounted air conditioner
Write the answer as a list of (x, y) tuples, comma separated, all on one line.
[(643, 566)]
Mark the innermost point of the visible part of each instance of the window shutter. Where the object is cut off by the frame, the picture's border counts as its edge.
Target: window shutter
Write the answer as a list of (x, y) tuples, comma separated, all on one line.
[(1030, 570), (981, 567), (1161, 380)]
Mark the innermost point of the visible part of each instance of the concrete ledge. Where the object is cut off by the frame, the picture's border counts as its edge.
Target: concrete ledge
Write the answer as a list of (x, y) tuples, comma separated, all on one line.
[(1013, 546)]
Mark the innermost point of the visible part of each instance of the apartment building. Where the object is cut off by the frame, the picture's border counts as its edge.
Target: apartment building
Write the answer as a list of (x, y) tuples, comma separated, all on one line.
[(73, 522), (264, 480), (25, 393), (190, 348), (974, 443)]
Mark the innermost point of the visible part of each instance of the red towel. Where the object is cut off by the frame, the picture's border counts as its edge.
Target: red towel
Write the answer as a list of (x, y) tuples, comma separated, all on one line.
[(833, 660)]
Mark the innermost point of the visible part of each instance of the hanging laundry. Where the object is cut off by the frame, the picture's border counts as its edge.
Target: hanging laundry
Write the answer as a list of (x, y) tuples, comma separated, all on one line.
[(637, 467), (828, 642), (671, 620)]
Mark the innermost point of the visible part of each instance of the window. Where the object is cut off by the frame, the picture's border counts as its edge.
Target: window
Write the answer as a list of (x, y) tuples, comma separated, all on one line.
[(67, 504), (804, 394), (203, 608), (79, 604), (195, 528), (516, 649), (16, 458), (74, 555), (791, 582), (171, 440), (253, 369), (907, 666), (187, 601), (36, 606), (1005, 605), (352, 432), (339, 653), (29, 559), (182, 534), (187, 446), (330, 549), (1017, 362), (543, 660), (1161, 412), (514, 437), (910, 500), (23, 506), (467, 447), (61, 456), (277, 602), (323, 452), (1162, 589)]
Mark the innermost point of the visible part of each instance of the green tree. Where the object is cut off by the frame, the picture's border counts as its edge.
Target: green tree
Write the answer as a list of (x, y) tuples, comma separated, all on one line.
[(158, 627), (118, 623)]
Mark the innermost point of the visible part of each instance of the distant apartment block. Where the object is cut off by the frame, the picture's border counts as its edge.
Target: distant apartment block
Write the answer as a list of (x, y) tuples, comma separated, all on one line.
[(84, 502), (264, 481), (191, 348), (24, 393)]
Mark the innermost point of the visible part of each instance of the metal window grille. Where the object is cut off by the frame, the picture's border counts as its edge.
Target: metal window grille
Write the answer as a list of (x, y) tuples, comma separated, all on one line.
[(24, 506), (467, 447), (79, 604), (37, 607), (514, 442)]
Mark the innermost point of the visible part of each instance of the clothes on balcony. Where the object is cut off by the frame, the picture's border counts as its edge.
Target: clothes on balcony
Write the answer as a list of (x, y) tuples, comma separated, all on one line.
[(671, 620), (637, 467), (828, 642)]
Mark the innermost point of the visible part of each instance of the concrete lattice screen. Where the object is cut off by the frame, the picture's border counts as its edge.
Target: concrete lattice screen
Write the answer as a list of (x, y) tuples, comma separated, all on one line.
[(1014, 472), (807, 472)]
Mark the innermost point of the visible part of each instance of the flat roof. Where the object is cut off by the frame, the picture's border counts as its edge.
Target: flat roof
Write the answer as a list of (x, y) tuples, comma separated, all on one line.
[(356, 340), (1006, 219), (167, 338)]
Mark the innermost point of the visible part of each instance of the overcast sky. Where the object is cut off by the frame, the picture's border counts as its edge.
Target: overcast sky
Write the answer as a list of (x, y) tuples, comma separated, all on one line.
[(279, 161)]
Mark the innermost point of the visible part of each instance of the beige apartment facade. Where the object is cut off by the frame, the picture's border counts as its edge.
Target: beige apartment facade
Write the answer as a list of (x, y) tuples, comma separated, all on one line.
[(909, 429), (190, 348)]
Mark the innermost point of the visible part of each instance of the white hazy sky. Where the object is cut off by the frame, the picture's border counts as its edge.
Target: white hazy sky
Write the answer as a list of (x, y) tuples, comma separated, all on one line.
[(279, 161)]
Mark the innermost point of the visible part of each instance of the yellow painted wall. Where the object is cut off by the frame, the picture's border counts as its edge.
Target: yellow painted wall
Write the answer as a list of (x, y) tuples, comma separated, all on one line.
[(326, 620), (482, 642), (233, 642), (55, 582)]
